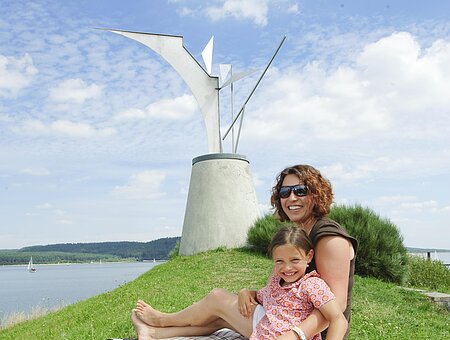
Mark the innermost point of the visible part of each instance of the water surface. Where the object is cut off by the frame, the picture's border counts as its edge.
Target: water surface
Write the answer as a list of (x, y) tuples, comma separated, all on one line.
[(53, 286)]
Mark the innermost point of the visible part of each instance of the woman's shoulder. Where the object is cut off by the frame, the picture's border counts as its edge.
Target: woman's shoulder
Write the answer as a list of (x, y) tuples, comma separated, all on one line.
[(325, 226)]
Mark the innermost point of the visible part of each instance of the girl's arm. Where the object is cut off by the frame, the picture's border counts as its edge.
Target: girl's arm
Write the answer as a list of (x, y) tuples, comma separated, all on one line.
[(247, 301), (312, 325), (338, 323)]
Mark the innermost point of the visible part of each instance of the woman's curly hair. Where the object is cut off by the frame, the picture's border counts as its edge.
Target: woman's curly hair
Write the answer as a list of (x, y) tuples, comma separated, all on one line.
[(318, 186)]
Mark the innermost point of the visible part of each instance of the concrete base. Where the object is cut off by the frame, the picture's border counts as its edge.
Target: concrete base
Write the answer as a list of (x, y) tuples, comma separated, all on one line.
[(221, 204)]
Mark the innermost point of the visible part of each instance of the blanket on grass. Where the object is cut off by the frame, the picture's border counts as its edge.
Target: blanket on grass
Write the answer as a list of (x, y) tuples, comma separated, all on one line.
[(221, 334)]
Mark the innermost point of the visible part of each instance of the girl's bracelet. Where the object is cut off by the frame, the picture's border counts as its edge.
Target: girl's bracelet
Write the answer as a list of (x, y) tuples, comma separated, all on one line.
[(299, 333)]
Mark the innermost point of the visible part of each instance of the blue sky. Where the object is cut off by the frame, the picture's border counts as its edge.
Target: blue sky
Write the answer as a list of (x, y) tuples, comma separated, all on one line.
[(97, 132)]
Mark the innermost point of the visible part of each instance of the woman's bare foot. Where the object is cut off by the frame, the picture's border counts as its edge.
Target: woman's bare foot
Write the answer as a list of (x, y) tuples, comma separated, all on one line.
[(144, 331), (148, 314)]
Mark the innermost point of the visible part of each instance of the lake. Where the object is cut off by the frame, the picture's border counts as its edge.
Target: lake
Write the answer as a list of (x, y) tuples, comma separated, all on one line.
[(53, 286), (441, 256)]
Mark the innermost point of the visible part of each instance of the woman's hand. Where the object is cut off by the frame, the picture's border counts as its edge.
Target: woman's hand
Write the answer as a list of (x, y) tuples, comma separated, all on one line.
[(246, 302)]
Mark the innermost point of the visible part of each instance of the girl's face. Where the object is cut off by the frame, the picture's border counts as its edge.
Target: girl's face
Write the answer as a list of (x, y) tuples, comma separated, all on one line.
[(299, 209), (290, 262)]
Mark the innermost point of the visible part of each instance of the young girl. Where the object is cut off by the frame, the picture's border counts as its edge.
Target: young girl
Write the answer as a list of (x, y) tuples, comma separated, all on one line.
[(290, 296)]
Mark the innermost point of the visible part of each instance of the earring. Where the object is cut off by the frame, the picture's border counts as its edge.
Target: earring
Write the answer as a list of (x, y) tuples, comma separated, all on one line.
[(307, 265)]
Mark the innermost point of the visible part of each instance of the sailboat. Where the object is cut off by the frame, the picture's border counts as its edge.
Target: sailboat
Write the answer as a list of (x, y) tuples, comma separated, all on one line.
[(31, 268)]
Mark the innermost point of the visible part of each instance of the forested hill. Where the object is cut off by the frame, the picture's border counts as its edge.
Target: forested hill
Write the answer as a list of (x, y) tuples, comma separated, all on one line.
[(157, 249)]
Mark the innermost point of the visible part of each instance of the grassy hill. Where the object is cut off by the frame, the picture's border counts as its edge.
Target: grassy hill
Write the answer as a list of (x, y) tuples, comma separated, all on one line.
[(381, 310)]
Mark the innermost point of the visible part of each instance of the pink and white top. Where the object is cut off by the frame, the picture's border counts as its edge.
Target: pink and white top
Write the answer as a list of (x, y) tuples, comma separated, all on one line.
[(287, 306)]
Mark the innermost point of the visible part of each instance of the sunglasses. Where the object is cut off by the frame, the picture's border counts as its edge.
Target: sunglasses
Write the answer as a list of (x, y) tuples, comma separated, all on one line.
[(299, 190)]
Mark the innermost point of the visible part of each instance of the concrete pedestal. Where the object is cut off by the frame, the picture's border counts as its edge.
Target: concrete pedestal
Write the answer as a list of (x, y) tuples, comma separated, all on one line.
[(221, 204)]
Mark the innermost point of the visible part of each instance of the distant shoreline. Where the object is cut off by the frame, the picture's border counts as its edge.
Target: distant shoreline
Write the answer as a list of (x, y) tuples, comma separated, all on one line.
[(426, 250), (72, 263)]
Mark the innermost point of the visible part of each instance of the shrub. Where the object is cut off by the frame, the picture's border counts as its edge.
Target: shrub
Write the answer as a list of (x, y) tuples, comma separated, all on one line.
[(260, 234), (381, 253), (175, 251), (428, 274)]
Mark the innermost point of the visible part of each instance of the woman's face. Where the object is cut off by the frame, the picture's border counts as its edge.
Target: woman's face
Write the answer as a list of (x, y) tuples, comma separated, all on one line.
[(299, 209)]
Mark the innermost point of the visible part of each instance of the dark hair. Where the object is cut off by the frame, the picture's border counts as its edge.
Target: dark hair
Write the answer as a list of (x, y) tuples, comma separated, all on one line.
[(318, 186), (292, 235)]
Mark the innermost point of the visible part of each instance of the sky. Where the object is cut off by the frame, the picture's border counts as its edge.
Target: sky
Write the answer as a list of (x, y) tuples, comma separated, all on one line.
[(98, 133)]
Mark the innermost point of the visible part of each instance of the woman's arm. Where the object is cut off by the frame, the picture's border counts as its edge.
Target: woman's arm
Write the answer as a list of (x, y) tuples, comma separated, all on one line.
[(332, 256)]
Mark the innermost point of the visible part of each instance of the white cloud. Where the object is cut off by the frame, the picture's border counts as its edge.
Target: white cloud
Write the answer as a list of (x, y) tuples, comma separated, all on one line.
[(408, 204), (395, 199), (255, 10), (391, 85), (293, 8), (367, 170), (64, 221), (5, 118), (398, 68), (265, 209), (36, 171), (131, 114), (15, 74), (44, 206), (59, 212), (62, 128), (180, 108), (430, 205), (74, 91), (257, 181), (142, 185)]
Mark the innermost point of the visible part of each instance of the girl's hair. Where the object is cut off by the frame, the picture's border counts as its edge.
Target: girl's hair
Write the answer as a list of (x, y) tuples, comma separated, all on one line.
[(317, 185), (291, 235)]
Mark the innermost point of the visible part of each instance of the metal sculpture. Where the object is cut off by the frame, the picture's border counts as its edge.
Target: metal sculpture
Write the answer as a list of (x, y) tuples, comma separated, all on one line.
[(221, 203), (204, 86)]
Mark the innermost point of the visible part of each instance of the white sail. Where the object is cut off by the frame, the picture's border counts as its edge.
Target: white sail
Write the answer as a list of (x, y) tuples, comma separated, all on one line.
[(31, 268)]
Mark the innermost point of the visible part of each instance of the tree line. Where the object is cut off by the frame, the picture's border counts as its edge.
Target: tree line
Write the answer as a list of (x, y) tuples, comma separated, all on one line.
[(87, 252)]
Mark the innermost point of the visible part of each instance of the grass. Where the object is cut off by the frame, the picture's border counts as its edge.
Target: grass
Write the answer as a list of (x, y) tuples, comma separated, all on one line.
[(381, 310)]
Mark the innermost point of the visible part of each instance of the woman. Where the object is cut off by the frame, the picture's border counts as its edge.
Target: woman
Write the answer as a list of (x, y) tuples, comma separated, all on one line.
[(302, 195)]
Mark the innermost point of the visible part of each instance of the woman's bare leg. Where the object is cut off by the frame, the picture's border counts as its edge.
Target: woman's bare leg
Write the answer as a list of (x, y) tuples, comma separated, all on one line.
[(219, 303), (146, 332)]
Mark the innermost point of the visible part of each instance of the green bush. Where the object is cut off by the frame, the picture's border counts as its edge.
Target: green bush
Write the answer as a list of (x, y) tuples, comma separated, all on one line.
[(428, 274), (175, 251), (381, 253), (260, 234)]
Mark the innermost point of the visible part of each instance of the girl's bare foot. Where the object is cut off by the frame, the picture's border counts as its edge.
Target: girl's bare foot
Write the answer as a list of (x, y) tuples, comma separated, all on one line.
[(148, 314), (144, 331)]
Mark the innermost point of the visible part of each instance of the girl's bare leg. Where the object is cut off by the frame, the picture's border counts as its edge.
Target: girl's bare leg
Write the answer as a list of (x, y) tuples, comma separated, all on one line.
[(146, 332), (218, 304)]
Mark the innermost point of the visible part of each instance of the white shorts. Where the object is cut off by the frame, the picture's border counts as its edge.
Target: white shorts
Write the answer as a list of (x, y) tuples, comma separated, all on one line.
[(258, 314)]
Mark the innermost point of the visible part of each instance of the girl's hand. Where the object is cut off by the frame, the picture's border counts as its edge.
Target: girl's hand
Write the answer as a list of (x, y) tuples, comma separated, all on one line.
[(288, 336), (246, 302)]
